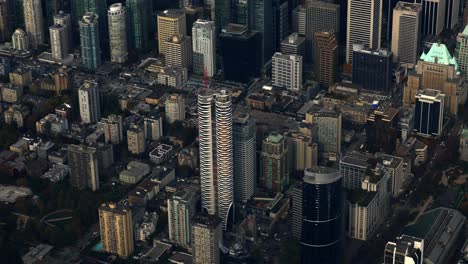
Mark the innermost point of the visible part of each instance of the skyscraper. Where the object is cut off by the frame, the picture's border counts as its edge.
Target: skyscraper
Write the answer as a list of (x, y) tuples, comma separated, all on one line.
[(52, 7), (274, 167), (364, 25), (245, 157), (83, 162), (299, 20), (429, 112), (263, 23), (65, 21), (113, 129), (139, 22), (320, 16), (117, 16), (170, 22), (19, 40), (205, 134), (204, 44), (287, 71), (175, 108), (181, 207), (280, 22), (136, 143), (34, 22), (328, 133), (372, 69), (58, 41), (206, 237), (293, 44), (224, 156), (222, 11), (325, 57), (88, 97), (405, 250), (90, 43), (452, 9), (462, 51), (178, 51), (322, 211), (116, 226), (99, 7), (434, 17), (406, 32), (5, 25), (302, 151), (153, 126)]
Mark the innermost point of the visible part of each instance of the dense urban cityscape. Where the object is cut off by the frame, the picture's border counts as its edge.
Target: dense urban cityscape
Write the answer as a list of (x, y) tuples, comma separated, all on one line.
[(233, 131)]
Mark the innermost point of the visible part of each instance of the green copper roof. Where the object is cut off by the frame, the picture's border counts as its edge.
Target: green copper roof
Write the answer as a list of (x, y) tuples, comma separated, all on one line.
[(465, 133), (439, 54), (465, 31)]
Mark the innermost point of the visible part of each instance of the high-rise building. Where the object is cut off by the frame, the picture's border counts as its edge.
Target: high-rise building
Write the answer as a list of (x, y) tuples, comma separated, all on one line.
[(405, 250), (462, 51), (117, 16), (181, 207), (429, 112), (243, 12), (299, 20), (88, 97), (153, 126), (303, 152), (406, 32), (222, 13), (205, 134), (62, 79), (34, 22), (19, 40), (372, 69), (294, 44), (116, 226), (296, 228), (325, 57), (245, 157), (280, 22), (263, 23), (328, 133), (352, 167), (287, 71), (89, 40), (5, 25), (322, 231), (84, 169), (240, 53), (58, 41), (52, 8), (452, 9), (320, 16), (113, 129), (437, 70), (178, 51), (79, 8), (204, 45), (65, 21), (274, 167), (192, 14), (364, 25), (170, 22), (206, 237), (224, 156), (434, 16), (139, 22), (136, 143), (175, 108)]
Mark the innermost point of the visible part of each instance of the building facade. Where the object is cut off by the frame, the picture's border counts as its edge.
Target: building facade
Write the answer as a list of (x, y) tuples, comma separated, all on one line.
[(90, 41), (406, 31), (429, 113), (175, 108), (287, 71), (206, 237), (204, 48), (117, 19), (113, 129), (88, 98), (178, 52), (83, 162), (372, 69), (170, 22), (34, 22), (325, 57), (181, 207), (116, 226), (58, 41), (274, 167)]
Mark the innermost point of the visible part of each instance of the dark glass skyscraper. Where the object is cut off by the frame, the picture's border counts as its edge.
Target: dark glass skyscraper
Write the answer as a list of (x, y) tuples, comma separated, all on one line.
[(372, 69), (429, 112), (322, 214), (139, 23), (263, 23)]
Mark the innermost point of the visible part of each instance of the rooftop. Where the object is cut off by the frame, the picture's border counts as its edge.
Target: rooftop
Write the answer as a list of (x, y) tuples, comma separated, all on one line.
[(361, 197), (205, 220), (439, 54)]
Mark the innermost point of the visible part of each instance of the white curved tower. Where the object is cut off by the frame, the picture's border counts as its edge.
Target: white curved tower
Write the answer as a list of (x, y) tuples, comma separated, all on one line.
[(224, 154), (118, 33), (205, 134)]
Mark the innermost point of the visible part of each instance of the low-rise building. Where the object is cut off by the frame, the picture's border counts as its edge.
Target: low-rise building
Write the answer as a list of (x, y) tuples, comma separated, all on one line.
[(161, 154), (147, 227), (173, 77), (134, 173), (16, 113), (57, 173), (10, 93)]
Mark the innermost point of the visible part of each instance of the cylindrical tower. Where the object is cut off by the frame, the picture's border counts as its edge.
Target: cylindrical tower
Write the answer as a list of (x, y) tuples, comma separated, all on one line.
[(118, 33), (205, 134), (322, 225), (224, 154)]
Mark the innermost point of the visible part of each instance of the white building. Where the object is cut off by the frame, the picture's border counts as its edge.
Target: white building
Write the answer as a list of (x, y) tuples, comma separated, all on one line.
[(88, 98), (175, 108), (19, 40), (204, 44), (58, 41), (287, 71), (406, 31), (118, 33)]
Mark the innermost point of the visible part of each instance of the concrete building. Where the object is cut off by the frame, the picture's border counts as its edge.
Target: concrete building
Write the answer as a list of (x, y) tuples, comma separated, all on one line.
[(175, 108), (181, 207), (437, 70), (88, 98), (90, 41), (11, 93), (364, 25), (116, 226), (62, 79), (161, 153), (406, 31), (372, 69), (294, 44), (173, 76), (113, 129), (16, 113), (328, 133), (34, 22), (204, 48), (178, 51), (59, 42), (405, 250), (153, 126), (64, 20), (287, 71), (206, 238), (134, 172), (136, 140), (353, 167), (274, 164), (433, 21), (325, 57), (20, 40), (303, 152), (170, 22), (299, 20), (117, 16), (84, 167), (429, 113), (461, 52)]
